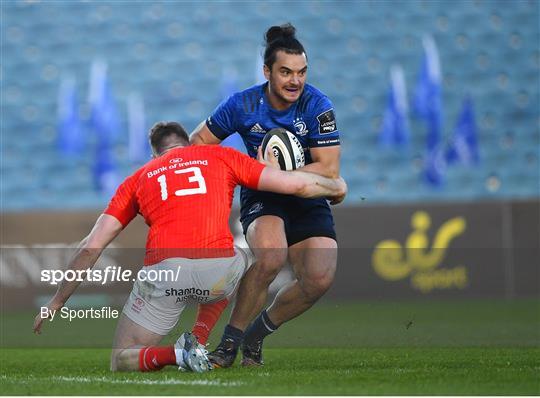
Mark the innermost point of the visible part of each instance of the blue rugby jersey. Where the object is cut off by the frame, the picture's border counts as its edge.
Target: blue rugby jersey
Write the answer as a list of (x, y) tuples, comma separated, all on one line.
[(311, 119)]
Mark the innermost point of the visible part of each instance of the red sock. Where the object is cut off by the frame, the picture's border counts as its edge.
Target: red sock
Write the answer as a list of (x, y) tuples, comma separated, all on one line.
[(207, 317), (155, 358)]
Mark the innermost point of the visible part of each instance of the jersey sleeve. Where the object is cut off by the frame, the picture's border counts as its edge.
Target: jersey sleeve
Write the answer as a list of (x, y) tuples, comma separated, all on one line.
[(322, 125), (123, 205), (246, 171), (222, 122)]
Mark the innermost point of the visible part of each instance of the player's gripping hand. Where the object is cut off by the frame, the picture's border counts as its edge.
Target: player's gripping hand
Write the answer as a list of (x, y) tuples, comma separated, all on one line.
[(52, 305), (343, 192), (271, 160)]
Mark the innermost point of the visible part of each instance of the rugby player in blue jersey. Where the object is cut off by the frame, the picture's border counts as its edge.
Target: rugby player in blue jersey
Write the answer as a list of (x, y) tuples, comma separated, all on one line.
[(278, 227)]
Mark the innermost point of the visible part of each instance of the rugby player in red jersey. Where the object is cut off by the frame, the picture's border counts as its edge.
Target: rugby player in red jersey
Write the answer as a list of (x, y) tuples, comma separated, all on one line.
[(185, 195)]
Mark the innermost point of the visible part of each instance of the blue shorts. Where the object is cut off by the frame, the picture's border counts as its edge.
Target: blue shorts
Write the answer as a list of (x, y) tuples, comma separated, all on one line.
[(303, 218)]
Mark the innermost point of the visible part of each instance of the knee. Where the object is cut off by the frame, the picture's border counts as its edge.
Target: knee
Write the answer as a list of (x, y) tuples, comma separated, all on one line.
[(269, 264), (124, 360), (114, 361), (315, 287)]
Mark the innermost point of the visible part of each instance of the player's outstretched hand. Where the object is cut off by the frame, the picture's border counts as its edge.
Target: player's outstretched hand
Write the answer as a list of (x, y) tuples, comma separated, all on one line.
[(38, 320), (341, 197), (270, 161)]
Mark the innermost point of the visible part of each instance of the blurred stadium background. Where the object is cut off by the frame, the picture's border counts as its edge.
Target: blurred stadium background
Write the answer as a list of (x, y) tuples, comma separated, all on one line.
[(458, 180), (181, 59)]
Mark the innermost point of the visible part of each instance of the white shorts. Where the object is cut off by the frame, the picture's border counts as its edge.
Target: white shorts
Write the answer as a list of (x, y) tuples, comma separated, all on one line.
[(157, 305)]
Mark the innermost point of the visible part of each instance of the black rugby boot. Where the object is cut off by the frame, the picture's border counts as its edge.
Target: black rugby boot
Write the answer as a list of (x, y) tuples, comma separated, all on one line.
[(252, 354), (224, 354)]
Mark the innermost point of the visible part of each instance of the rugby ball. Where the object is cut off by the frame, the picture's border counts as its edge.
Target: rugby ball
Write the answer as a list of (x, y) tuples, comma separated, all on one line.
[(286, 148)]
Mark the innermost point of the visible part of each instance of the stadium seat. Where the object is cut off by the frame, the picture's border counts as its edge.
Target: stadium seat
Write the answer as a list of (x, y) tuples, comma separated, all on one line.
[(177, 63)]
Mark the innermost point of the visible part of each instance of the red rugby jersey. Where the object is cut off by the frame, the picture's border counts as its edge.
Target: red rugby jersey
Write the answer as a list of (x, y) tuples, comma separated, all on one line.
[(185, 197)]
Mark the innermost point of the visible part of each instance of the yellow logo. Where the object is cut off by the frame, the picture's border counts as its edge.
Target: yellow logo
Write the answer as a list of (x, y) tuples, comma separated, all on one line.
[(393, 262)]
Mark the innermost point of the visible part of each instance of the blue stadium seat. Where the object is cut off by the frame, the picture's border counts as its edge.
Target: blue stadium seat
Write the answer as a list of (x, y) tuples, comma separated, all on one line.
[(174, 54)]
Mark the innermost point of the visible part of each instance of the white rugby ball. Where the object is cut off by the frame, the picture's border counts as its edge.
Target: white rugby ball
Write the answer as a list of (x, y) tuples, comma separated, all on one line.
[(286, 148)]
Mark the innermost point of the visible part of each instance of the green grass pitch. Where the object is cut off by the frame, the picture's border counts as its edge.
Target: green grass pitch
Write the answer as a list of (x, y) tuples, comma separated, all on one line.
[(410, 348)]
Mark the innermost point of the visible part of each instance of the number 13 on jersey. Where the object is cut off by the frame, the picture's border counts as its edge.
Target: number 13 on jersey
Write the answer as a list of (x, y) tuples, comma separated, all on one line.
[(196, 176)]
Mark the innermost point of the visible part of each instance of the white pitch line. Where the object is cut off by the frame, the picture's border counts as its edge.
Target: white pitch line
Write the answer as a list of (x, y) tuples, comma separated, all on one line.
[(104, 379), (165, 381)]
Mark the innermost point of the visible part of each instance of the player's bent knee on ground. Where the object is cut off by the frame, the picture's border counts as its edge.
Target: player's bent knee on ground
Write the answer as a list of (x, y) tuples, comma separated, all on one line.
[(126, 359)]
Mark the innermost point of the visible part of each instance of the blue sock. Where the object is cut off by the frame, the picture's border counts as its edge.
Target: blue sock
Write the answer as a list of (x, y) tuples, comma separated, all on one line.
[(261, 327), (232, 334)]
